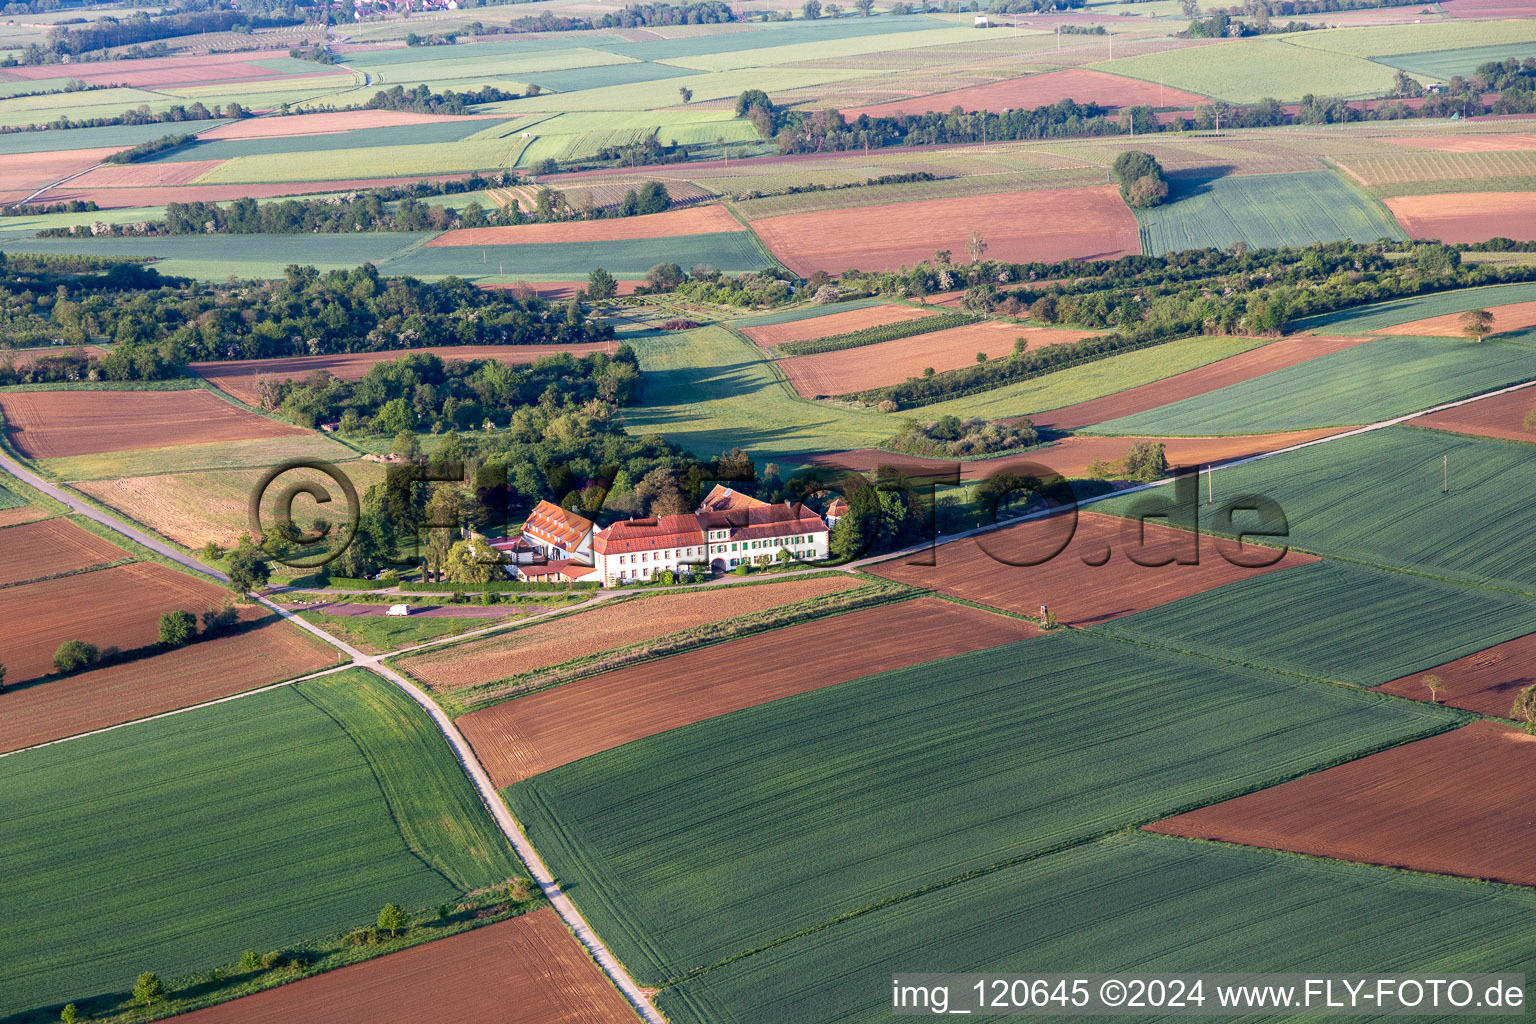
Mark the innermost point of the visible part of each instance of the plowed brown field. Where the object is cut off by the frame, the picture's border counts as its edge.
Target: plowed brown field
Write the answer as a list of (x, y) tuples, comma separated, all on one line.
[(51, 547), (1444, 804), (20, 357), (693, 220), (1071, 456), (34, 170), (180, 70), (1510, 317), (528, 970), (1500, 416), (150, 175), (22, 514), (1469, 143), (1467, 216), (117, 607), (1032, 91), (891, 362), (1079, 593), (555, 641), (239, 378), (1055, 224), (544, 730), (51, 424), (845, 322), (190, 675), (1256, 362), (1486, 682)]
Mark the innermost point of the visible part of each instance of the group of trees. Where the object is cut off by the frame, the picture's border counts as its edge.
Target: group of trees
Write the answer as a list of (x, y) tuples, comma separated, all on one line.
[(1141, 179), (175, 113), (950, 437), (148, 148), (84, 42), (176, 629), (422, 100)]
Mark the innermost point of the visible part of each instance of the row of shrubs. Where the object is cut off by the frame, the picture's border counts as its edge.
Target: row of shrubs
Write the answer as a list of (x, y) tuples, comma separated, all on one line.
[(499, 586), (177, 629), (880, 332)]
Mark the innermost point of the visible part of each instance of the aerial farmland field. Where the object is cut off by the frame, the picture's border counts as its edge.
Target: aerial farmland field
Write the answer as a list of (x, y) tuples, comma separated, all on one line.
[(832, 482)]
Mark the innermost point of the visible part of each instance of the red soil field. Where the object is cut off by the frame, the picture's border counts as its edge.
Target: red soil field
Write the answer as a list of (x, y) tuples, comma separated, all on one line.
[(1467, 216), (1084, 223), (27, 356), (891, 362), (1486, 8), (1071, 456), (694, 220), (51, 547), (240, 378), (117, 607), (276, 126), (1442, 804), (554, 641), (50, 424), (1255, 362), (845, 322), (150, 175), (153, 71), (544, 730), (1501, 416), (1510, 317), (1486, 682), (1032, 91), (22, 514), (1469, 143), (29, 171), (1079, 593), (528, 970), (202, 671)]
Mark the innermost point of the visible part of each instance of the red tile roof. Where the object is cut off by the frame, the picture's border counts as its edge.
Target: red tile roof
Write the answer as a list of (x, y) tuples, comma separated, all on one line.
[(554, 525), (564, 567), (722, 497), (764, 521), (648, 535)]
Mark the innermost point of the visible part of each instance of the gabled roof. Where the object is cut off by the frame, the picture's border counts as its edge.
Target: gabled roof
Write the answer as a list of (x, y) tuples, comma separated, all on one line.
[(764, 521), (630, 535), (838, 508), (553, 524), (722, 497), (565, 567)]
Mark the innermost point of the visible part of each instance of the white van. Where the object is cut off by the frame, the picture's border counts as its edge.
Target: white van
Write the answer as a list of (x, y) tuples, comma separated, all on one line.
[(399, 609)]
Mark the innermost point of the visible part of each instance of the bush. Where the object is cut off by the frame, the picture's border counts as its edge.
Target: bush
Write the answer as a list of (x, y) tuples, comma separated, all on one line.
[(74, 655), (348, 583), (250, 961), (177, 628), (499, 586)]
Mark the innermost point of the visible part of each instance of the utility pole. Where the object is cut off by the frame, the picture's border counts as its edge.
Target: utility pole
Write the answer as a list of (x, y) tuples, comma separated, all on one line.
[(1445, 474), (1210, 497)]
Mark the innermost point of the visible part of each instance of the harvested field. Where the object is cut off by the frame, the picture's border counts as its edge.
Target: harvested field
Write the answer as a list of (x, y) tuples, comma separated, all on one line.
[(241, 377), (158, 174), (1084, 223), (117, 607), (51, 547), (327, 124), (1467, 143), (1244, 366), (27, 171), (199, 507), (694, 220), (529, 969), (1439, 805), (769, 335), (1512, 317), (50, 424), (1071, 456), (1032, 91), (521, 738), (891, 362), (573, 636), (1079, 584), (1487, 681), (1467, 216), (1501, 416), (263, 653)]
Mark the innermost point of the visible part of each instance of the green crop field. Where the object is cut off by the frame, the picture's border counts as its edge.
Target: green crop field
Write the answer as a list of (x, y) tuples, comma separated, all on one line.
[(379, 633), (1444, 64), (442, 70), (1129, 904), (92, 138), (10, 500), (729, 251), (663, 93), (708, 841), (434, 132), (1334, 620), (1382, 315), (1390, 40), (1264, 210), (1377, 497), (253, 824), (1249, 70), (849, 46), (212, 258), (1365, 384), (368, 162)]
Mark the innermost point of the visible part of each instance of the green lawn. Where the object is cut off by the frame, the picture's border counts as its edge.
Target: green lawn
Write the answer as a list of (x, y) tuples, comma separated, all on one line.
[(379, 633), (1265, 211), (1377, 497), (1364, 384), (266, 451), (1382, 315), (256, 824), (1130, 904), (705, 842), (1334, 620)]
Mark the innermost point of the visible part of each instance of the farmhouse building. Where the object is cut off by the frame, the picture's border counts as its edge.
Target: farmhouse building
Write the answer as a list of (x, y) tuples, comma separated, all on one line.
[(729, 529)]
